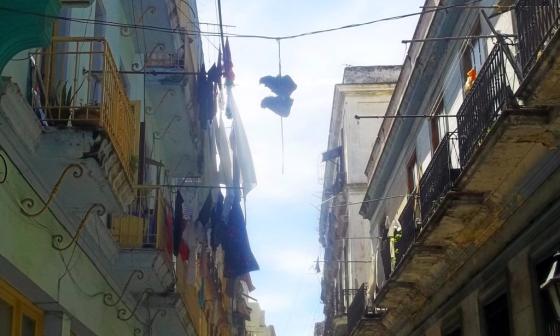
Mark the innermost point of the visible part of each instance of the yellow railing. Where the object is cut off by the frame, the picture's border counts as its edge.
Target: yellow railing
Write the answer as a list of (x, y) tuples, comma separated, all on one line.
[(189, 294), (80, 86), (145, 225), (207, 318)]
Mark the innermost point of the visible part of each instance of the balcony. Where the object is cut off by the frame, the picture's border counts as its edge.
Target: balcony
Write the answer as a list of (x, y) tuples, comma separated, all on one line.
[(385, 254), (363, 320), (166, 61), (439, 177), (407, 221), (478, 179), (144, 240), (78, 85), (538, 22), (484, 103), (357, 309)]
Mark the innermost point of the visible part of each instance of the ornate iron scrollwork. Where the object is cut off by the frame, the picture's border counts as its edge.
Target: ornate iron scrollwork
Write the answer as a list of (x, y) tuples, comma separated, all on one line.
[(125, 315), (161, 312), (57, 239), (3, 169), (108, 297), (125, 30), (152, 111), (27, 204), (147, 57), (158, 136)]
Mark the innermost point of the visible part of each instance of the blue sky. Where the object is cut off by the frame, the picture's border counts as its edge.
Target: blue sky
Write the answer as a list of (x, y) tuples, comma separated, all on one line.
[(282, 211)]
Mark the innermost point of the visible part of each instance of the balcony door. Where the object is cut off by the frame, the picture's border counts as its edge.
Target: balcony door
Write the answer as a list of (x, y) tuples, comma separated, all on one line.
[(98, 57)]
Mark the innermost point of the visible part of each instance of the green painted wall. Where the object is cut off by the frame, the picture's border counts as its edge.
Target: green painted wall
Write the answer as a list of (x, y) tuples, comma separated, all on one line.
[(26, 244), (21, 30)]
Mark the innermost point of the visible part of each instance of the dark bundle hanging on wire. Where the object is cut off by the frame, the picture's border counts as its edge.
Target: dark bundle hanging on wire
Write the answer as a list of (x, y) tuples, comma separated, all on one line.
[(283, 87)]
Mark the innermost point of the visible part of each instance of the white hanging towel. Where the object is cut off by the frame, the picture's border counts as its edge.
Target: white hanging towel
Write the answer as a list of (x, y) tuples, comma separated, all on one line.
[(225, 172), (241, 147)]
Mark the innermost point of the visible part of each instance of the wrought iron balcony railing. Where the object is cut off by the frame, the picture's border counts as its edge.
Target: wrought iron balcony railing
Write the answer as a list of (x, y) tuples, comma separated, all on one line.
[(537, 21), (407, 221), (166, 60), (385, 254), (439, 177), (358, 308), (79, 85), (483, 104)]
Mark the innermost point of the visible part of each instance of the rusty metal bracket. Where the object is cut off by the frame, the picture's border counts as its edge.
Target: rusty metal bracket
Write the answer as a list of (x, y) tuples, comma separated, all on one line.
[(124, 315), (28, 203), (3, 169), (108, 297), (57, 239)]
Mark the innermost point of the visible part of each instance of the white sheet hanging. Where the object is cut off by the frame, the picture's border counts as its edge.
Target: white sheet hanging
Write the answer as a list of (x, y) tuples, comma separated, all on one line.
[(241, 147)]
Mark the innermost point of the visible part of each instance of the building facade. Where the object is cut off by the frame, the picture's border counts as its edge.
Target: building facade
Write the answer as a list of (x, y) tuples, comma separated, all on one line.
[(364, 92), (109, 187), (257, 326), (462, 193)]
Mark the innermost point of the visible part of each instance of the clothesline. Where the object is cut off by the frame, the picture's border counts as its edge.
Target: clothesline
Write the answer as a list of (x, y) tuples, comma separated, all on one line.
[(182, 186)]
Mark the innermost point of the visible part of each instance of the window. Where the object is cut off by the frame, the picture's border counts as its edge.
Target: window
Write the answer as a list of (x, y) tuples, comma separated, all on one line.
[(18, 316), (6, 312), (496, 316), (475, 52), (412, 173), (435, 134)]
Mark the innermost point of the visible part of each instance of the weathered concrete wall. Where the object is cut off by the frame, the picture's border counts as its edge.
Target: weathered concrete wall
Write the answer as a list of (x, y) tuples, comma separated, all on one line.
[(378, 74), (359, 135), (360, 249)]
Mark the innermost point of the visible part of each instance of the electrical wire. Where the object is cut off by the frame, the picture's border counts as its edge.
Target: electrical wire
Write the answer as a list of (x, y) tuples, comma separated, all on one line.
[(371, 200), (206, 33)]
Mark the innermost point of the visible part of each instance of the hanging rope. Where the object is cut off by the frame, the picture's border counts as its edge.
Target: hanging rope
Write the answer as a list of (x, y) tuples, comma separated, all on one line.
[(281, 119)]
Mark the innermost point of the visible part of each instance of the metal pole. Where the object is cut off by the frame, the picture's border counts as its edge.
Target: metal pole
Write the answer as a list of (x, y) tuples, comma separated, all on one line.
[(468, 7), (221, 25), (454, 38), (406, 116), (180, 186), (147, 72), (344, 261)]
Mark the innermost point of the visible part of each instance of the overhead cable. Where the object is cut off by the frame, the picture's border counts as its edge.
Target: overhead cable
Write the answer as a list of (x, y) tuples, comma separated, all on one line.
[(233, 35)]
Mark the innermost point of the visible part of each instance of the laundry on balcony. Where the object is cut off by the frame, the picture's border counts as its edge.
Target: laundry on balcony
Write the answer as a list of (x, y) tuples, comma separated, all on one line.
[(217, 223), (239, 258), (179, 223), (206, 96), (241, 150), (229, 75)]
